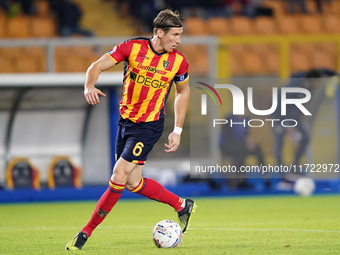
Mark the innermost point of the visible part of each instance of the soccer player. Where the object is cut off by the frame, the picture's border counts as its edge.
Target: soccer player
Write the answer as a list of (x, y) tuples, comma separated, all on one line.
[(151, 66), (310, 80)]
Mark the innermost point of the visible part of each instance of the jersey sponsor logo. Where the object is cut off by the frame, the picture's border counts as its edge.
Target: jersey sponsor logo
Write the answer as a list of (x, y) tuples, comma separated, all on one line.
[(133, 76), (143, 56), (147, 81), (147, 68), (161, 72), (150, 69), (166, 64)]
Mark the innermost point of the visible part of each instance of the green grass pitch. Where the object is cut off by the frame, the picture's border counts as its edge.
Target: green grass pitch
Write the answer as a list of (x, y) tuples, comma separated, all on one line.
[(246, 225)]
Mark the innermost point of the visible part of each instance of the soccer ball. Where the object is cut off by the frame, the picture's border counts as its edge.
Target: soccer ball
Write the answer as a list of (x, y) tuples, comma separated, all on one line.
[(304, 186), (167, 234)]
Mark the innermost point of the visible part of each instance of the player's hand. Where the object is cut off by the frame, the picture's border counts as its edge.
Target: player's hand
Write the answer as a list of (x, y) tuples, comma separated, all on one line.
[(250, 144), (174, 141), (92, 95)]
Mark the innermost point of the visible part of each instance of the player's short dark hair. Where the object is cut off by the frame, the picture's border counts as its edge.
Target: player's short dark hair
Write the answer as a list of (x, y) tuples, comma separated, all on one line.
[(167, 19), (314, 73)]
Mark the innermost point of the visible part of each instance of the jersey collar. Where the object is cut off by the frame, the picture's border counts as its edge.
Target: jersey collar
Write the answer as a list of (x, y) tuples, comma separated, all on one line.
[(154, 51)]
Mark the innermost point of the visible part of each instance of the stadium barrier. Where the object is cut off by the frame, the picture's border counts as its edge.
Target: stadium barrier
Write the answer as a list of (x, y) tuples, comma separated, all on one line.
[(283, 43)]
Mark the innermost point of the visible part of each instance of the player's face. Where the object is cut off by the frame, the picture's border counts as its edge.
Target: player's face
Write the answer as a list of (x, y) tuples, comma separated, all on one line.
[(171, 39)]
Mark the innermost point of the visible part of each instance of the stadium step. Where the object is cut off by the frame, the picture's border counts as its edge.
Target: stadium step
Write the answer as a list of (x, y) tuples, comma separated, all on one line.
[(103, 20)]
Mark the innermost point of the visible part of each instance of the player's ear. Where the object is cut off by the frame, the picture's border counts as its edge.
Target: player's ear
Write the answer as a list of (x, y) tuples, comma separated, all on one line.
[(160, 33)]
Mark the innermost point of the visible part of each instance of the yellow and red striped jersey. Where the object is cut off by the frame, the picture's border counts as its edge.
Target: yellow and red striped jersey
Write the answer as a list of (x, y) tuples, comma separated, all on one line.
[(148, 77)]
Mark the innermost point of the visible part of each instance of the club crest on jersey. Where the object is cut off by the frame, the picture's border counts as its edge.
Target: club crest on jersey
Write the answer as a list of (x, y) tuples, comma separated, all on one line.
[(166, 64)]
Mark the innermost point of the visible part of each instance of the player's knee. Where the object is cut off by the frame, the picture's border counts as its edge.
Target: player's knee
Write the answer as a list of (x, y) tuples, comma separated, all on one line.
[(119, 177), (131, 185), (121, 172)]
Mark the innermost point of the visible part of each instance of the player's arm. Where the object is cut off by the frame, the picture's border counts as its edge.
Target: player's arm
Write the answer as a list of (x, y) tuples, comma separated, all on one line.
[(181, 104), (90, 91)]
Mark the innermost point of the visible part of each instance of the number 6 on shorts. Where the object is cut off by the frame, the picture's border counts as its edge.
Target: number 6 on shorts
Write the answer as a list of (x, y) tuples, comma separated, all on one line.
[(138, 149)]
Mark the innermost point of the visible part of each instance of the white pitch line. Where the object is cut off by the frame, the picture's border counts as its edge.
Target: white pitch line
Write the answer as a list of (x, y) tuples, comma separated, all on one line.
[(269, 229), (148, 227)]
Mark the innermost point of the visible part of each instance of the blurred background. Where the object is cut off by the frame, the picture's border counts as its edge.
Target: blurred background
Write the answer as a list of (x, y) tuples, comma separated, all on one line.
[(53, 146)]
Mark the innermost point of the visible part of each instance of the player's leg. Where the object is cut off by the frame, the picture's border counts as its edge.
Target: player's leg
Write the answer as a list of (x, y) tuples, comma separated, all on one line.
[(154, 190), (279, 133), (303, 143), (147, 135), (121, 172), (110, 196), (134, 178), (117, 182)]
